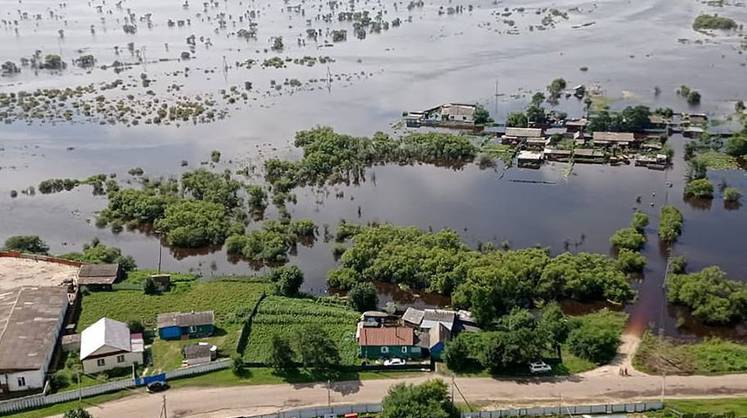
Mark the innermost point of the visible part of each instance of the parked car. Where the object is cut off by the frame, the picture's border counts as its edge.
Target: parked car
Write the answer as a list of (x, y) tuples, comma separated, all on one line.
[(539, 367), (154, 387), (395, 362)]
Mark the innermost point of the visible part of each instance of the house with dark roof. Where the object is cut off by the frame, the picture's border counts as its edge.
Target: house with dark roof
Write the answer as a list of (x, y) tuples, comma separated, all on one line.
[(388, 342), (99, 276), (184, 325), (31, 319)]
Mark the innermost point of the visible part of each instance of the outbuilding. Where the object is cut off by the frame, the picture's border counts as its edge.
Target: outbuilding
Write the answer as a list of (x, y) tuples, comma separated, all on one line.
[(184, 325), (99, 276)]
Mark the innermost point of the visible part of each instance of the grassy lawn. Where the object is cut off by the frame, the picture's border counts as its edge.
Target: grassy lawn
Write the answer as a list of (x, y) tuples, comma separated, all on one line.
[(711, 356), (738, 406), (287, 317), (715, 160)]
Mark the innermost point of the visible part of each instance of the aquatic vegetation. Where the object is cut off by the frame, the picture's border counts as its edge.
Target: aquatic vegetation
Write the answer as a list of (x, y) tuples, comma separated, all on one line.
[(628, 238), (699, 188), (705, 21), (273, 242)]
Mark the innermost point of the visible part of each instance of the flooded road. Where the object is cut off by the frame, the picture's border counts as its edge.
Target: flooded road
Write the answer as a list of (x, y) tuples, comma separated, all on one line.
[(629, 48)]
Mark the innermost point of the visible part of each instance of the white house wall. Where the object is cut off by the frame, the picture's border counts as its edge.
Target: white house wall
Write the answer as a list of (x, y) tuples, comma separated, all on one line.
[(34, 380), (90, 366)]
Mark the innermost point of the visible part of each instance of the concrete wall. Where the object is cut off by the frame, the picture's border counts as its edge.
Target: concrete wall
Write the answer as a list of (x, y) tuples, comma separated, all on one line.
[(90, 366)]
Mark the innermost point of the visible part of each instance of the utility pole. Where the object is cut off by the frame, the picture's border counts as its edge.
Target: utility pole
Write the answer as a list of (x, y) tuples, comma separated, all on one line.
[(160, 250), (495, 111), (329, 395), (80, 390), (164, 414)]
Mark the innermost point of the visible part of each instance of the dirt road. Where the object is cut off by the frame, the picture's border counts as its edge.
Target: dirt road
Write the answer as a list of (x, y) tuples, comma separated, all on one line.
[(249, 400)]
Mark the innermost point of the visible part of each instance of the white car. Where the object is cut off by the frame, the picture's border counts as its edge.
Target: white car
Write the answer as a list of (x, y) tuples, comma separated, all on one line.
[(539, 367), (395, 362)]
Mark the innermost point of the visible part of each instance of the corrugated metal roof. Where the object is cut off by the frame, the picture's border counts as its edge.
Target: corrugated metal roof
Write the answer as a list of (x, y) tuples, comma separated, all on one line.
[(413, 316), (105, 332), (185, 319), (98, 274), (30, 319), (386, 336)]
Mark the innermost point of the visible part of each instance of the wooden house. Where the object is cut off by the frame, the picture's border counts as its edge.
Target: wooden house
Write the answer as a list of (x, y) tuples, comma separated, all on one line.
[(184, 325)]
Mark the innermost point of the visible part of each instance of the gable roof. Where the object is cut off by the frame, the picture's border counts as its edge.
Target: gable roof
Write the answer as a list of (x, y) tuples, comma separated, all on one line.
[(613, 136), (194, 351), (413, 316), (386, 336), (104, 333), (30, 321), (524, 132), (434, 317), (98, 274), (185, 319)]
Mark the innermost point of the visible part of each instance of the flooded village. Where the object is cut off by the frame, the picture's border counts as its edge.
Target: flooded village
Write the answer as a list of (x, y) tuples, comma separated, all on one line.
[(184, 184)]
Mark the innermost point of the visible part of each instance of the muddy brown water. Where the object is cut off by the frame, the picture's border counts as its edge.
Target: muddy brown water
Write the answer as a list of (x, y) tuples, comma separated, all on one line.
[(630, 48)]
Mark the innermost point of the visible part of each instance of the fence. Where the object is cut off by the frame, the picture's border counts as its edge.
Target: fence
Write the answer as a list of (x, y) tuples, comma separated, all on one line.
[(38, 257), (521, 412), (40, 400), (246, 328)]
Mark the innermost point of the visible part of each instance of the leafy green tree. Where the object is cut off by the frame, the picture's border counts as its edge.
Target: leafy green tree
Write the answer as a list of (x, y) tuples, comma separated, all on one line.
[(457, 353), (429, 399), (135, 326), (630, 261), (537, 99), (628, 238), (536, 114), (257, 197), (482, 116), (699, 188), (736, 146), (281, 358), (77, 413), (238, 366), (211, 187), (517, 120), (149, 286), (97, 253), (362, 297), (709, 295), (287, 280), (194, 224), (554, 326), (26, 244), (693, 98), (556, 87), (316, 348), (639, 221), (342, 278), (696, 169), (594, 341), (670, 223)]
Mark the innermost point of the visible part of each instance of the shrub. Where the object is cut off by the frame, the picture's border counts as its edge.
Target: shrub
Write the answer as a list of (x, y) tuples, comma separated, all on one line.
[(77, 413), (732, 195), (429, 399), (699, 188), (135, 326), (693, 98), (456, 354), (705, 21), (281, 359), (238, 367), (628, 238), (736, 146), (149, 286), (26, 244), (517, 120), (594, 340), (287, 280)]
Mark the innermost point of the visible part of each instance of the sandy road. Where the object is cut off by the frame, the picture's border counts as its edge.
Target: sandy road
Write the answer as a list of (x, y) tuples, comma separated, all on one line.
[(248, 400)]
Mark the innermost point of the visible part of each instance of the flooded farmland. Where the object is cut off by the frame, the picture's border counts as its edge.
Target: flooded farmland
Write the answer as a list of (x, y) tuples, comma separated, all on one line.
[(223, 57)]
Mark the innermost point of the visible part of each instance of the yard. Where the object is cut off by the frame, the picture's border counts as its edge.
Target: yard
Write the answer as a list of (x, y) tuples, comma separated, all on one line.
[(230, 299), (711, 356), (287, 317)]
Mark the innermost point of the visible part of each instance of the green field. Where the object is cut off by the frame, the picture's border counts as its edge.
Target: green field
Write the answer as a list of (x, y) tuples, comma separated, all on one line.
[(287, 316), (711, 356)]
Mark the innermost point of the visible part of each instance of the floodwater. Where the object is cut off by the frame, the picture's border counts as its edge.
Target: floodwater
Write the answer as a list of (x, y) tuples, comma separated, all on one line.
[(629, 47)]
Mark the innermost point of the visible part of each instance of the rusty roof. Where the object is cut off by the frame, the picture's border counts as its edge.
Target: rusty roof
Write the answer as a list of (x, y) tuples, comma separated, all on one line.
[(386, 336)]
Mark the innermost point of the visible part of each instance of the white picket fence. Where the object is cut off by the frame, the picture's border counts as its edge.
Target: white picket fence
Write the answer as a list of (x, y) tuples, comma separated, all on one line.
[(40, 400), (337, 410)]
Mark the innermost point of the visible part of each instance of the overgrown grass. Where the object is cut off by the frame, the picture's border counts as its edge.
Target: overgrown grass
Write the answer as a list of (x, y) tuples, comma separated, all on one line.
[(289, 316), (738, 406), (716, 160), (711, 356)]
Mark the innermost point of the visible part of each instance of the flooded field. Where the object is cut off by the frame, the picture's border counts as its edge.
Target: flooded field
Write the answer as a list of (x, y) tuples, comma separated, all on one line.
[(223, 57)]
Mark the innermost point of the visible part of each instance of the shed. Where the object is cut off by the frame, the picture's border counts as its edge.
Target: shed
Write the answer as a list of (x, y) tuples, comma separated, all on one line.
[(177, 325), (199, 353), (99, 275), (162, 281), (434, 317), (413, 317)]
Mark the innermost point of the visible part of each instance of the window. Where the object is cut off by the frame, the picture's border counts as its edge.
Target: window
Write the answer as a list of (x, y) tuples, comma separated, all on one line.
[(384, 350), (404, 349), (192, 329), (101, 362), (120, 358), (21, 381)]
